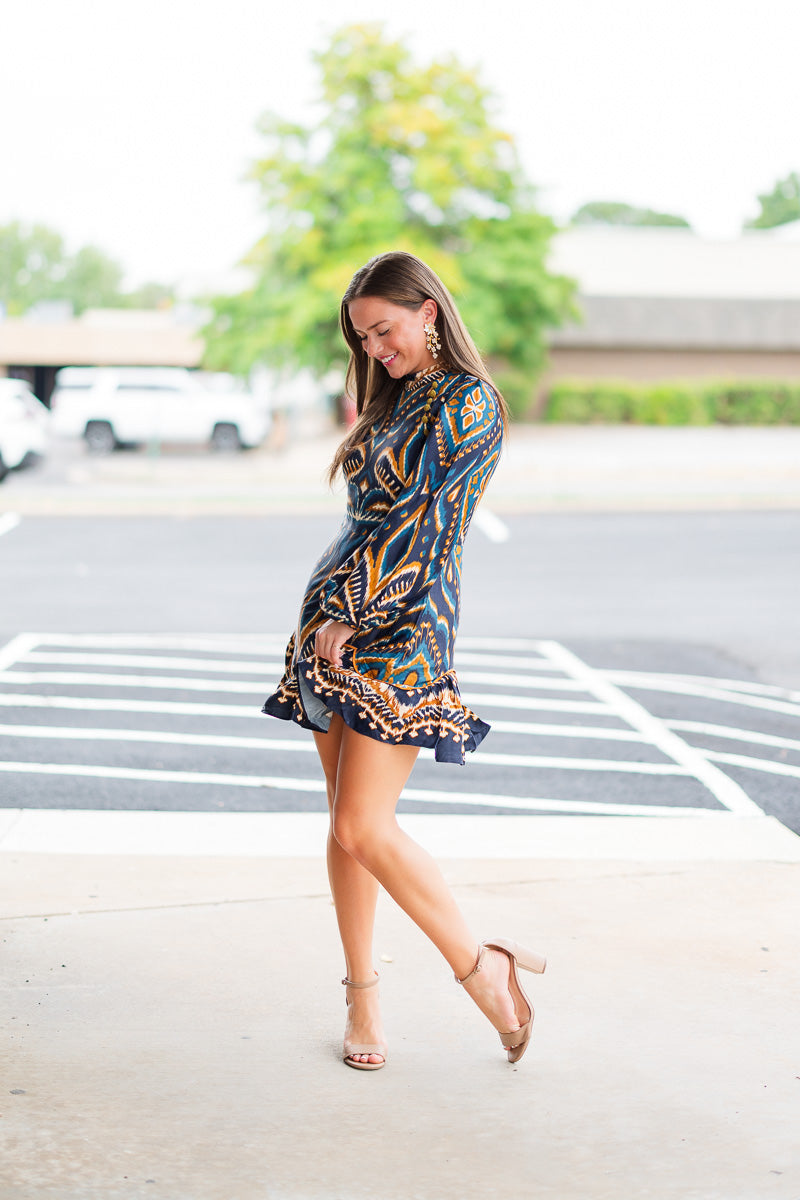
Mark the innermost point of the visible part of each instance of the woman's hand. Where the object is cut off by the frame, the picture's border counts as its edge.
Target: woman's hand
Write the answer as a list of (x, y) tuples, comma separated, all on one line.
[(329, 641)]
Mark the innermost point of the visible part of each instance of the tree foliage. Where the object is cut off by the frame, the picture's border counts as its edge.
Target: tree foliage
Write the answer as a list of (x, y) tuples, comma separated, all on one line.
[(35, 266), (612, 212), (402, 157), (779, 206)]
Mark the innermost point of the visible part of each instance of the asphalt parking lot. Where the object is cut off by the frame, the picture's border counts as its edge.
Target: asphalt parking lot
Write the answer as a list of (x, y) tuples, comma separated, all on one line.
[(628, 663)]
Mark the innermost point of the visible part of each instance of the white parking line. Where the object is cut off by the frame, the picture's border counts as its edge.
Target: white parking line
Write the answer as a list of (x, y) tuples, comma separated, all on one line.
[(660, 683), (8, 521), (724, 789), (504, 645), (267, 670), (16, 649), (537, 761), (263, 668), (252, 712), (76, 733), (223, 643), (90, 771), (737, 735), (551, 729), (490, 525), (487, 700), (173, 683), (287, 783), (507, 662), (101, 704), (734, 685), (555, 683), (757, 764)]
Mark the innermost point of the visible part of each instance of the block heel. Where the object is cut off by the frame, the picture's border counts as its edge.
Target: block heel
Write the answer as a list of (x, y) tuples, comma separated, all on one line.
[(515, 1043)]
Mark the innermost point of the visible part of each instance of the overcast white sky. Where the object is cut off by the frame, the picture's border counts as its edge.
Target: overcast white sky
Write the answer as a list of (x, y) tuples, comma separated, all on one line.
[(130, 125)]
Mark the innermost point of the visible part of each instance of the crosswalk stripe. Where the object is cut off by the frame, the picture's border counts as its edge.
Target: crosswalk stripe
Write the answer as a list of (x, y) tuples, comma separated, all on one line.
[(8, 521), (183, 683), (72, 733), (639, 681), (268, 666), (155, 737), (112, 704), (757, 764), (265, 669), (738, 735), (281, 783), (735, 685), (724, 789), (167, 682), (552, 729)]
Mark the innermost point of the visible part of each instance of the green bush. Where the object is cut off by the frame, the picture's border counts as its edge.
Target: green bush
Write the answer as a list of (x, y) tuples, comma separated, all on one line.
[(516, 389), (738, 402)]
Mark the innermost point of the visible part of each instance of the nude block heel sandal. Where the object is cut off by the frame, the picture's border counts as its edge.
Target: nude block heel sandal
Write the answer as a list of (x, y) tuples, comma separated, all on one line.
[(516, 1042), (351, 1048)]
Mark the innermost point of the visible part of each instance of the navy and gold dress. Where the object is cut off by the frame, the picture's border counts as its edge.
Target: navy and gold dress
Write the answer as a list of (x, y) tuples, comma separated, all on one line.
[(393, 573)]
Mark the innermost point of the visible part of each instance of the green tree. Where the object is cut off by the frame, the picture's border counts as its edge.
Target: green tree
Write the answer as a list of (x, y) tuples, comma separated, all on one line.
[(779, 206), (92, 280), (150, 295), (32, 266), (401, 157), (35, 266), (612, 212)]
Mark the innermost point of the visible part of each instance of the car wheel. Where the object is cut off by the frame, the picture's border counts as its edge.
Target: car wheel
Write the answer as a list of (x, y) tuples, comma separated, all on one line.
[(99, 437), (3, 469), (225, 439)]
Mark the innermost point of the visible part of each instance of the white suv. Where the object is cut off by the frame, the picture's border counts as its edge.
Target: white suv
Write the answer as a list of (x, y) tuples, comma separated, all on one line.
[(117, 406), (23, 426)]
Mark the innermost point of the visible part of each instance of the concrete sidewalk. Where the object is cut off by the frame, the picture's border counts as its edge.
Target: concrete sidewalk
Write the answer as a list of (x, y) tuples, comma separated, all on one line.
[(175, 1026), (543, 468)]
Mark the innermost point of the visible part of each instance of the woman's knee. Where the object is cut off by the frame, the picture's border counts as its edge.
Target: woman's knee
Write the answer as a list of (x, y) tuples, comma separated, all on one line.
[(359, 835)]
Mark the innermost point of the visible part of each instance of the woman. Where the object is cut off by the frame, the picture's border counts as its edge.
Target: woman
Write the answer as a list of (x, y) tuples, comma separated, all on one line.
[(369, 668)]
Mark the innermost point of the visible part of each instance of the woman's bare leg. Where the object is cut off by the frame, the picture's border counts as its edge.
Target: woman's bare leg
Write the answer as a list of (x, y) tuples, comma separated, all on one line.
[(355, 894), (369, 780)]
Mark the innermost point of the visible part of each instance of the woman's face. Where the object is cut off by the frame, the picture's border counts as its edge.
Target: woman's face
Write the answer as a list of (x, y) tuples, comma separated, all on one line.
[(393, 334)]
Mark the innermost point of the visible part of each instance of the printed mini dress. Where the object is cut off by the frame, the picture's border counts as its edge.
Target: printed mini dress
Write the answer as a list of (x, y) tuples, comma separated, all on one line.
[(393, 572)]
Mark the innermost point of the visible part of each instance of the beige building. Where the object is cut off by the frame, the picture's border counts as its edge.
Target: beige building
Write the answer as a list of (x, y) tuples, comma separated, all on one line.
[(663, 304)]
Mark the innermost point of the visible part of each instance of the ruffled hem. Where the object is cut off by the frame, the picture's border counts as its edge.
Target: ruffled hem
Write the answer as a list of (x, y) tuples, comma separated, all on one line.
[(433, 716)]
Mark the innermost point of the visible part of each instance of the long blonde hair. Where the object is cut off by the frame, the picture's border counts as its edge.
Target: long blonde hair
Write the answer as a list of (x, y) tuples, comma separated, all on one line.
[(407, 281)]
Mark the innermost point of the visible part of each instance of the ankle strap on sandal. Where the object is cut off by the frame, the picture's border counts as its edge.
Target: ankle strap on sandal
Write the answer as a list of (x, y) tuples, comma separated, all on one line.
[(478, 965), (349, 982)]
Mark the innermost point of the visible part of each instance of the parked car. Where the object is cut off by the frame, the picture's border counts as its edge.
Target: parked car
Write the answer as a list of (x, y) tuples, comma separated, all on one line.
[(119, 406), (23, 426)]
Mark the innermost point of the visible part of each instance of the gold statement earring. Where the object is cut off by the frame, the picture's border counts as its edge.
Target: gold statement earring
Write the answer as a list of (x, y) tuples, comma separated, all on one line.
[(432, 339)]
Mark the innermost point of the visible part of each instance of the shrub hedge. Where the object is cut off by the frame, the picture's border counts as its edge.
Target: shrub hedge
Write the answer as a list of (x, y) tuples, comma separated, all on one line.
[(737, 402)]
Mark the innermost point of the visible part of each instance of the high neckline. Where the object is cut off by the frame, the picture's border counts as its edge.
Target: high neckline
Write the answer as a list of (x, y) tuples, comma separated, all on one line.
[(426, 373)]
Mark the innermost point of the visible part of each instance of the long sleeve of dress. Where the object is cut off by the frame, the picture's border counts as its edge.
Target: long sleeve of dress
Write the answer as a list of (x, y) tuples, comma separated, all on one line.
[(396, 568)]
